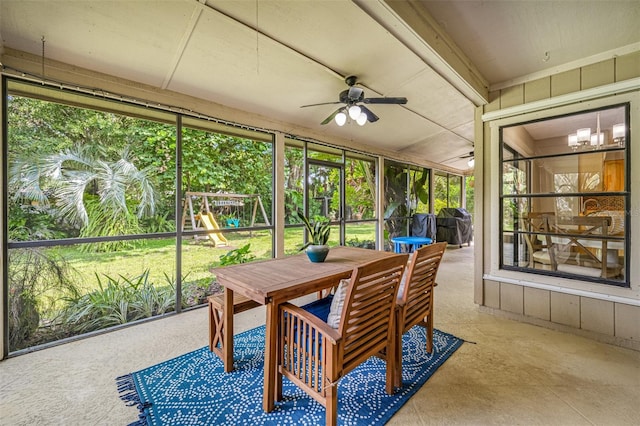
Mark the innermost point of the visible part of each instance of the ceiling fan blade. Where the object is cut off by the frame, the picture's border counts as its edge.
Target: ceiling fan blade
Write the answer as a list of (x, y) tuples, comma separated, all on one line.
[(470, 154), (332, 116), (385, 100), (323, 103), (370, 115)]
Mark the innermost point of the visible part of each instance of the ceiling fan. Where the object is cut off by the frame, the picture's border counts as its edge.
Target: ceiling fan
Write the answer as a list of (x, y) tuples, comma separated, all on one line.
[(470, 154), (353, 98), (471, 159)]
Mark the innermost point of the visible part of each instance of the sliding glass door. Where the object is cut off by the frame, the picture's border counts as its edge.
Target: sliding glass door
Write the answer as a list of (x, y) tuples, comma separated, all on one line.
[(325, 196)]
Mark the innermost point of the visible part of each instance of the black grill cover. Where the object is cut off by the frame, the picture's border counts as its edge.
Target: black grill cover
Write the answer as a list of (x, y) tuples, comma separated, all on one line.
[(424, 225), (454, 226), (454, 212)]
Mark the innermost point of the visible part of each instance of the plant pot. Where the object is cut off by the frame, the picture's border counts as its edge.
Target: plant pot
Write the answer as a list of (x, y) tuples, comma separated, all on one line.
[(317, 253)]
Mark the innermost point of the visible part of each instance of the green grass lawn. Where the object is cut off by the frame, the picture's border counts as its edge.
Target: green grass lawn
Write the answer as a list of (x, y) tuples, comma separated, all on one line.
[(198, 255), (107, 291)]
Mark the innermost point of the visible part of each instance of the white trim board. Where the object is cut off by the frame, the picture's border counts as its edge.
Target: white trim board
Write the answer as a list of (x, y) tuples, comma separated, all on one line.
[(564, 290), (580, 63), (570, 98)]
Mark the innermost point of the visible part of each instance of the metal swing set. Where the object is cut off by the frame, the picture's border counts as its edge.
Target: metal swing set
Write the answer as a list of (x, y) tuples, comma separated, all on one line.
[(205, 219)]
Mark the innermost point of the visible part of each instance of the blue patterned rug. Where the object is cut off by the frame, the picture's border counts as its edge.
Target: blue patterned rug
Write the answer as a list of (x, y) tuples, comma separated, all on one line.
[(193, 389)]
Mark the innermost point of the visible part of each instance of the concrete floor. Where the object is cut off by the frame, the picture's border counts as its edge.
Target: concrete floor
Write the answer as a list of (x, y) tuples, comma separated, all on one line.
[(514, 374)]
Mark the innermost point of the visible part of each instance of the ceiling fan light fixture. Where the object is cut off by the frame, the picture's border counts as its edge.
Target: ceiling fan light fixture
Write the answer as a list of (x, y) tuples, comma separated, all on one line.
[(354, 112), (471, 162), (350, 109), (341, 118)]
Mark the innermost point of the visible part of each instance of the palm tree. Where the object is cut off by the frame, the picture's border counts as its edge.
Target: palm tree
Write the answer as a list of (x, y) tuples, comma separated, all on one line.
[(88, 191)]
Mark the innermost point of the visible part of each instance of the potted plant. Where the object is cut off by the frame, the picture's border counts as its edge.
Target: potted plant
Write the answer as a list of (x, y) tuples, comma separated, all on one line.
[(319, 230)]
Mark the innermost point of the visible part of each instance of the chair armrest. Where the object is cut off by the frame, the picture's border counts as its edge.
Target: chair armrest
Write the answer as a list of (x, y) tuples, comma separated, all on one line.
[(293, 311)]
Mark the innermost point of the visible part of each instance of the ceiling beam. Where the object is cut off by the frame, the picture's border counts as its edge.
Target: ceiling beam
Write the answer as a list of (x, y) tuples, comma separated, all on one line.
[(253, 27), (411, 24), (186, 36)]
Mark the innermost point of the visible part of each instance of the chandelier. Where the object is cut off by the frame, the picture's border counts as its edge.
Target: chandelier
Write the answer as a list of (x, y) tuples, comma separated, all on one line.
[(583, 137)]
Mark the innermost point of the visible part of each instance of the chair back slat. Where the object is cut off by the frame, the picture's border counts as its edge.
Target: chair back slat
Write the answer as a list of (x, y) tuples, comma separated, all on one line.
[(414, 314), (369, 307), (315, 356), (416, 299), (530, 224)]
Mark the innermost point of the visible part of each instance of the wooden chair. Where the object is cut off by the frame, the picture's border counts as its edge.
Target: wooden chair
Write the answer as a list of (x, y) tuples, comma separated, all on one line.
[(217, 338), (538, 250), (415, 298), (315, 356)]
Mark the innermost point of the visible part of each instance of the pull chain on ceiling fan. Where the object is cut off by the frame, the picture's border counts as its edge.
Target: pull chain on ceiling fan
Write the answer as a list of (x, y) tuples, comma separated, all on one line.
[(353, 98)]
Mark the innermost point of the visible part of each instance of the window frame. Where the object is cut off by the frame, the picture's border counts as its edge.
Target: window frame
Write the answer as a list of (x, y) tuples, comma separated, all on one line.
[(516, 157)]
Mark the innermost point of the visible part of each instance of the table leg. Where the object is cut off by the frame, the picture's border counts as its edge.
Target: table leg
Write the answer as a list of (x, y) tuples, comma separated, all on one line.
[(278, 375), (270, 358), (227, 340)]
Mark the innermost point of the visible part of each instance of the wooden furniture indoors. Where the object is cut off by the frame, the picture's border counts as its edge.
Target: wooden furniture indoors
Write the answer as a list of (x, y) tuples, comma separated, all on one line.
[(314, 356), (580, 245), (275, 281), (538, 251), (217, 341), (415, 298)]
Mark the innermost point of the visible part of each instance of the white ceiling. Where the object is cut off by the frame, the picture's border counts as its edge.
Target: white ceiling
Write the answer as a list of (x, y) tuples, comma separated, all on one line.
[(302, 50), (507, 39)]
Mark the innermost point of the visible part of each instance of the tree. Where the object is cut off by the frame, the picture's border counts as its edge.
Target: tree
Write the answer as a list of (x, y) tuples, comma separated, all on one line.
[(89, 191), (395, 193), (360, 188)]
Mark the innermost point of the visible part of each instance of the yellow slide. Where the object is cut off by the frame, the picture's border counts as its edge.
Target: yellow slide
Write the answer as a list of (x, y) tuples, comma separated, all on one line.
[(210, 224)]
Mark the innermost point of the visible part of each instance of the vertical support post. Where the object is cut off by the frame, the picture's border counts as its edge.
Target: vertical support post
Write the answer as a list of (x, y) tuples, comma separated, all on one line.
[(278, 196)]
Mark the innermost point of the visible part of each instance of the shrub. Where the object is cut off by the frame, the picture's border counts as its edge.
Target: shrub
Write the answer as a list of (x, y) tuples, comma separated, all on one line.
[(38, 280), (239, 255), (355, 242), (119, 300)]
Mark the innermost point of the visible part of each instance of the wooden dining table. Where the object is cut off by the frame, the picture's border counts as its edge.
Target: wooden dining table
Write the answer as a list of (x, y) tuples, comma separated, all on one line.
[(275, 281)]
